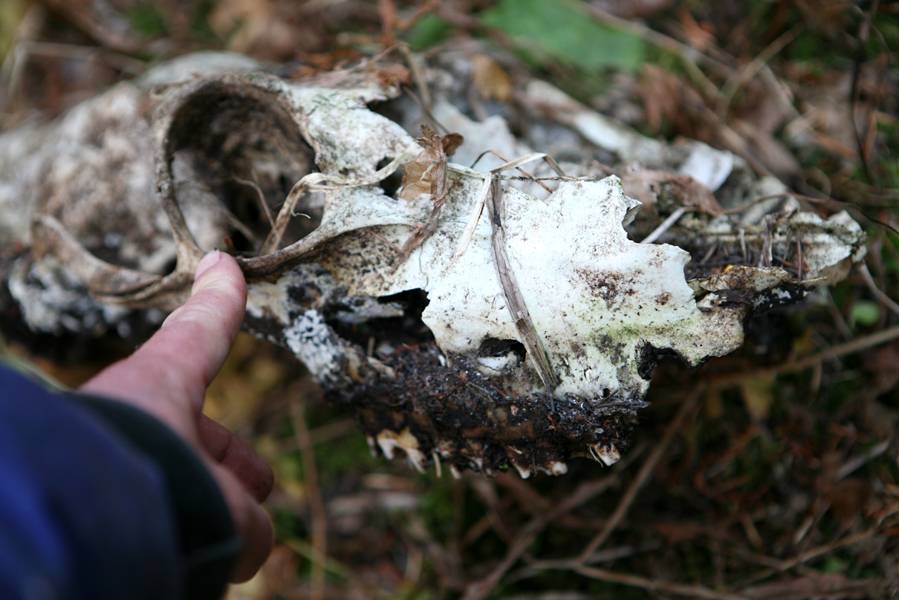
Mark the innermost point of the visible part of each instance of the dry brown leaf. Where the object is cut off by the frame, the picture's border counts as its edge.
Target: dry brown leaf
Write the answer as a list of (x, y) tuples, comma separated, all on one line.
[(489, 78), (668, 99), (651, 186), (257, 28), (104, 20), (757, 105), (387, 13), (392, 75), (773, 154), (699, 36), (676, 532), (881, 363), (849, 500), (316, 63), (427, 173)]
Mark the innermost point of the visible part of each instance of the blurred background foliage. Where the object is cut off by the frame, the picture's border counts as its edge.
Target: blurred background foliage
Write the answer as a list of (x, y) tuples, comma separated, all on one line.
[(777, 482)]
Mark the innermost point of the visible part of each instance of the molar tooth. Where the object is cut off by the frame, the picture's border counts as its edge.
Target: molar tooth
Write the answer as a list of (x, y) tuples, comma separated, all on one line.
[(416, 459), (558, 468), (608, 455), (523, 472), (437, 468)]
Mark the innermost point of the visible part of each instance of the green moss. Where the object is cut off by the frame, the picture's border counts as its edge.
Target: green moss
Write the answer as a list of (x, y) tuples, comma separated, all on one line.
[(11, 12), (438, 506), (199, 23), (287, 524), (561, 31), (347, 455), (429, 31), (864, 313), (147, 20)]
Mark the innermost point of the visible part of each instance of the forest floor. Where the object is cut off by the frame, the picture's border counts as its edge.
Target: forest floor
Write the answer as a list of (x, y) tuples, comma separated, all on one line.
[(769, 473)]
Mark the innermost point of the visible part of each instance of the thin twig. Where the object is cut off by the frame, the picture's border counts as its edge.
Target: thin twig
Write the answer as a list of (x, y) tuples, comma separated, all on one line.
[(876, 291), (854, 88), (332, 431), (387, 11), (832, 353), (857, 462), (687, 407), (838, 318), (828, 202), (526, 537), (825, 549), (471, 224), (655, 585), (122, 62), (738, 80), (328, 564), (318, 514), (607, 555), (418, 77), (583, 493), (525, 174), (260, 197), (665, 225), (312, 182), (689, 56), (516, 305)]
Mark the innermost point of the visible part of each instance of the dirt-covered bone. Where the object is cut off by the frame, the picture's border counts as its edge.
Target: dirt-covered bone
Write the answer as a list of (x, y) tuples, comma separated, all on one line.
[(513, 321)]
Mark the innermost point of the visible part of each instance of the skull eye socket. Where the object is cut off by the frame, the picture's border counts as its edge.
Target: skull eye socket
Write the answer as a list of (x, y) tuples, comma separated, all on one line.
[(236, 152)]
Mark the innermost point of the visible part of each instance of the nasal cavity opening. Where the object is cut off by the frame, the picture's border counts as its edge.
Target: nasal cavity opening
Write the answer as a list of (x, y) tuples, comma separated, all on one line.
[(390, 184), (499, 347)]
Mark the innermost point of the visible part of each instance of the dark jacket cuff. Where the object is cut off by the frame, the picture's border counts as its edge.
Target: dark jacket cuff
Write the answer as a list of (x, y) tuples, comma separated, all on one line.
[(207, 538)]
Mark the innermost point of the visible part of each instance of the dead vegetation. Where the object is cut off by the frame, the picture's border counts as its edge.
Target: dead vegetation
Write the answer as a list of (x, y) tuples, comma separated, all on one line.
[(775, 477)]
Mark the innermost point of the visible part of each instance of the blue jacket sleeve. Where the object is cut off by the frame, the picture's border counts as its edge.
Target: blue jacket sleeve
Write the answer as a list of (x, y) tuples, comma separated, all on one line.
[(90, 505)]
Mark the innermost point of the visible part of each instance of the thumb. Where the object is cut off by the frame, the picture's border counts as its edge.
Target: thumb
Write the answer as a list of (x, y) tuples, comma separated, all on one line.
[(180, 360), (197, 336)]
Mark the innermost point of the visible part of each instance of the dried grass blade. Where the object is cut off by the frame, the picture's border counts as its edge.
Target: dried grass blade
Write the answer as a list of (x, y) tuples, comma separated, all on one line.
[(514, 300)]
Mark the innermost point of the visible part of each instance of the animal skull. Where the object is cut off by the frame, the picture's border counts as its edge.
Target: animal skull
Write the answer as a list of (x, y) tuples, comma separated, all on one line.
[(519, 329)]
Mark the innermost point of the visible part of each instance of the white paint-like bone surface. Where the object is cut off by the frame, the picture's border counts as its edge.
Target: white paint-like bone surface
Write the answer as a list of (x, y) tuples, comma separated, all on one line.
[(595, 296)]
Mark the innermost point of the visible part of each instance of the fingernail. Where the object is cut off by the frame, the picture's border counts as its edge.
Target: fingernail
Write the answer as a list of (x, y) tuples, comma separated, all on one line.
[(208, 261)]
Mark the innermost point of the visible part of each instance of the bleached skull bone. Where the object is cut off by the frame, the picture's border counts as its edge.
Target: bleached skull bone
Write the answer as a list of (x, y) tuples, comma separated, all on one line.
[(598, 300)]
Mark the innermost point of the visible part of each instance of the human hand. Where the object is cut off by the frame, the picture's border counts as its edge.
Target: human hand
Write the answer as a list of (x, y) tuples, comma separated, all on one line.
[(167, 377)]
